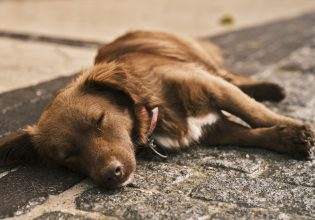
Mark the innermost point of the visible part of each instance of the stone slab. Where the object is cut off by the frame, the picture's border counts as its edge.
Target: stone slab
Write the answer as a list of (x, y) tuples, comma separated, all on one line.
[(30, 186), (28, 63), (256, 192), (254, 213), (298, 82), (291, 171), (233, 158), (61, 216), (301, 60), (129, 203), (22, 107), (252, 50)]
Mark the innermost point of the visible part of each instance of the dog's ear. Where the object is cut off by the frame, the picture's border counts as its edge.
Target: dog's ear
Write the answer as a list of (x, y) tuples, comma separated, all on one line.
[(119, 77), (16, 148)]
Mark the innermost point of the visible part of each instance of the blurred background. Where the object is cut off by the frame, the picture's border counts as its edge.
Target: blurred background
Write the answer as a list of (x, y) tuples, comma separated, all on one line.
[(106, 19), (29, 62)]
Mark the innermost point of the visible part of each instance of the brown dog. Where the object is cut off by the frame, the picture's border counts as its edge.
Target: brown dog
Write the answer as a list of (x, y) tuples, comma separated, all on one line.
[(147, 80)]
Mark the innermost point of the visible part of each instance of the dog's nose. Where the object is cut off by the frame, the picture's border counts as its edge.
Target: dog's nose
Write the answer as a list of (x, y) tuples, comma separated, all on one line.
[(113, 174)]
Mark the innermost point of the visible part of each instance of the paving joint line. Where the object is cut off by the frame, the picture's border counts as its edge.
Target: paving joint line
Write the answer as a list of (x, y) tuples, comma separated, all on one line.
[(49, 39)]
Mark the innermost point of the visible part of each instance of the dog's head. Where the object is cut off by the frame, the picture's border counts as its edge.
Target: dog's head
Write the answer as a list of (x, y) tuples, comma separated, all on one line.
[(91, 126)]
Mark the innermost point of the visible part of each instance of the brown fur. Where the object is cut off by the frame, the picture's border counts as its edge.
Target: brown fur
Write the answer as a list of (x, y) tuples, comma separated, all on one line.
[(95, 124)]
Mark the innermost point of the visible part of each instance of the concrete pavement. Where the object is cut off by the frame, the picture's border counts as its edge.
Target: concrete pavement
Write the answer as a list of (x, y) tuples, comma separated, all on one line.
[(29, 63)]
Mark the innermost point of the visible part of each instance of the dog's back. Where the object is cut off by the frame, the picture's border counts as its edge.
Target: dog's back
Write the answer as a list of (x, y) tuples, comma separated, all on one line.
[(161, 46)]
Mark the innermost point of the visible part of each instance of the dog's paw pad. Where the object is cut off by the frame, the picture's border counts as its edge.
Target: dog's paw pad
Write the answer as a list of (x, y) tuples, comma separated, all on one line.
[(302, 141)]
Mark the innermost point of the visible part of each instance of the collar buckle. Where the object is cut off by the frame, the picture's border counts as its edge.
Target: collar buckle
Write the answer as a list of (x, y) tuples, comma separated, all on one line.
[(153, 146)]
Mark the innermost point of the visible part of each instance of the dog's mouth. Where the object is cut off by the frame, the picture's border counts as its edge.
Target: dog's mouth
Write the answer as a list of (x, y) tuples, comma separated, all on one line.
[(128, 181), (108, 185)]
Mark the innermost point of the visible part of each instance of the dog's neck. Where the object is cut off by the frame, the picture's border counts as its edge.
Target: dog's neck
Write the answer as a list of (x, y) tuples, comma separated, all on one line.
[(154, 114)]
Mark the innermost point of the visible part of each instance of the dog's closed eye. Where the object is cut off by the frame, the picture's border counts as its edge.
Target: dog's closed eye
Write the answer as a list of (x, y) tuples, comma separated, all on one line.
[(100, 120)]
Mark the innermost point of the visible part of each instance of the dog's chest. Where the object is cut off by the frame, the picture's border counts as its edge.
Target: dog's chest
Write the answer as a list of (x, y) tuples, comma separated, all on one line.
[(195, 132)]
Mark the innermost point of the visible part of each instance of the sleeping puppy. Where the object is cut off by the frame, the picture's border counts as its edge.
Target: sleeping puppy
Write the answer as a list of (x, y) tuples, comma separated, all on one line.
[(150, 84)]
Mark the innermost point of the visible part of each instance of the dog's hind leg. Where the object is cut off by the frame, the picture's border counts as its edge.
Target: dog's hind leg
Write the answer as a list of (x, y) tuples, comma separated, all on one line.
[(282, 139), (226, 96), (268, 126), (260, 91)]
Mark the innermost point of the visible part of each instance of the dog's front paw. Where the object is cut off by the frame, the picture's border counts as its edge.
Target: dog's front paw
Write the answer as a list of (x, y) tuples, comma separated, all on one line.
[(300, 140)]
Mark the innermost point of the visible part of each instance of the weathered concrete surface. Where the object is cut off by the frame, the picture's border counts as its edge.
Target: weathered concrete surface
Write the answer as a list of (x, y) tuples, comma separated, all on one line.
[(253, 213), (297, 75), (186, 186), (61, 216), (252, 50), (23, 106), (301, 60), (41, 183), (140, 204), (29, 63), (266, 193)]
